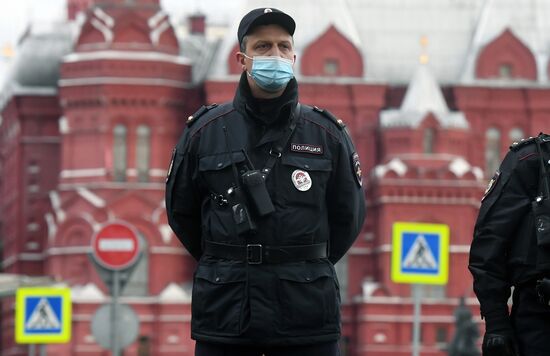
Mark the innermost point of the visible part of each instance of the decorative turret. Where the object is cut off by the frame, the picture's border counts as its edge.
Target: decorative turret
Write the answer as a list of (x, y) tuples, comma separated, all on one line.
[(423, 123)]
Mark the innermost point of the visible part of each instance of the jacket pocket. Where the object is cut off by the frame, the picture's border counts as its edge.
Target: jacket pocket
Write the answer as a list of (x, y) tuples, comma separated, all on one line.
[(309, 299), (218, 176), (219, 296), (306, 178), (217, 170)]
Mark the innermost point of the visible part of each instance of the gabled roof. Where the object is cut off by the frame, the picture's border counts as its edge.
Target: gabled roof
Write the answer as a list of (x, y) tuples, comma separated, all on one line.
[(424, 96), (528, 20)]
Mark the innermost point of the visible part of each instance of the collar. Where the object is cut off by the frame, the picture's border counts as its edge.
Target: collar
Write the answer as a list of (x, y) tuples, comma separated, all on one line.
[(266, 111)]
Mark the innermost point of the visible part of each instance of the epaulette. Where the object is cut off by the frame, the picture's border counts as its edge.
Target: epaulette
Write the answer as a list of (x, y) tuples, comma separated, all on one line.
[(332, 118), (202, 110), (523, 142), (526, 141)]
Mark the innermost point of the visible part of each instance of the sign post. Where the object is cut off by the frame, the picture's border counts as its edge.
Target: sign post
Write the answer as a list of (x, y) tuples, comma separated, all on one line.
[(420, 255), (115, 249)]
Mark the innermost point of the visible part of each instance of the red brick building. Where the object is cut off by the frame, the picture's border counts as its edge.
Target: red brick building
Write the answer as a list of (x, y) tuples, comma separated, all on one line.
[(94, 107)]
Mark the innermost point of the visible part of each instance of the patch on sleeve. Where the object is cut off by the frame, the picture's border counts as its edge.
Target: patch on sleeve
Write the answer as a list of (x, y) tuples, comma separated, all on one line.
[(171, 165), (491, 185), (356, 164)]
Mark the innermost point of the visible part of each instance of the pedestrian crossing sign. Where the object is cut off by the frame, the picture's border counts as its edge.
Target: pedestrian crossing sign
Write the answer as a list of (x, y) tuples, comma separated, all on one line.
[(42, 315), (420, 253)]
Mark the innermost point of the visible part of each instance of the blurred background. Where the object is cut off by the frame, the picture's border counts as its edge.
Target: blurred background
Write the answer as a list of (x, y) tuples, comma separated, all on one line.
[(95, 94)]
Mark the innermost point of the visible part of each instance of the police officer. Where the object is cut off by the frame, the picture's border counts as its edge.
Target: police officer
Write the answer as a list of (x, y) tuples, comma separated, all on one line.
[(511, 247), (266, 194)]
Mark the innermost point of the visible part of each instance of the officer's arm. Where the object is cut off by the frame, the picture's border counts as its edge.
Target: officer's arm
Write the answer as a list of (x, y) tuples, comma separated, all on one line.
[(182, 199), (504, 206), (346, 204)]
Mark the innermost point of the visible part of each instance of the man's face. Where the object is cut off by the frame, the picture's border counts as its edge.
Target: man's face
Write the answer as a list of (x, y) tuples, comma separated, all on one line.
[(269, 40)]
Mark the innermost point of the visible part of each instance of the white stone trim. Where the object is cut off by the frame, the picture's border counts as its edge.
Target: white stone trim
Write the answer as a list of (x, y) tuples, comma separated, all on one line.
[(103, 16), (91, 197), (105, 31), (68, 250), (83, 173), (8, 261), (459, 248), (52, 227), (165, 232), (25, 256), (154, 20), (28, 90), (124, 81), (155, 34), (156, 172), (63, 125), (113, 185), (155, 216), (125, 55), (56, 205)]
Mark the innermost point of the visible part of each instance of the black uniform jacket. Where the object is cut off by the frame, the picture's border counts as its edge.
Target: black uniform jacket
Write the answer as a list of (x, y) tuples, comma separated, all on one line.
[(266, 304), (504, 250)]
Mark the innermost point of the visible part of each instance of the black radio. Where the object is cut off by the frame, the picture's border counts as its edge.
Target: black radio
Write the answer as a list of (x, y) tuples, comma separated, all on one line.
[(254, 184)]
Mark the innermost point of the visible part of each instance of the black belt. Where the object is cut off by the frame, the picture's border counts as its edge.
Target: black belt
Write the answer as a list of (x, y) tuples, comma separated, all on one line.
[(256, 253)]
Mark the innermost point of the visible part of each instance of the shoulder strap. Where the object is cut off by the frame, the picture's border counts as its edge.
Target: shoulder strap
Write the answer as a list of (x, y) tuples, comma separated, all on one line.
[(339, 123), (544, 178), (276, 150), (202, 110)]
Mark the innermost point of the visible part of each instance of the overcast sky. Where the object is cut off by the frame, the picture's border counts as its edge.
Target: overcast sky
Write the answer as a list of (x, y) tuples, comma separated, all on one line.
[(16, 14)]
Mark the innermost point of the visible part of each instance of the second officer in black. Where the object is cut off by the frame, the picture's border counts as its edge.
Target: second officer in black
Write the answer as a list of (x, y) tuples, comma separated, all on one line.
[(511, 247), (266, 194)]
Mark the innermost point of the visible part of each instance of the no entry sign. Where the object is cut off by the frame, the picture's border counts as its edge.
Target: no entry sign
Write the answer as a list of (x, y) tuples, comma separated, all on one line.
[(116, 246)]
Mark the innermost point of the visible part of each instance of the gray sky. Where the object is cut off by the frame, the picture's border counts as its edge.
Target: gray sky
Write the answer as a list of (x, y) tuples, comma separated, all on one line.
[(16, 14)]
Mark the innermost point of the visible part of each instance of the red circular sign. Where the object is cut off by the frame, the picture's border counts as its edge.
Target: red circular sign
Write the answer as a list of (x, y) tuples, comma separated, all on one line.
[(116, 246)]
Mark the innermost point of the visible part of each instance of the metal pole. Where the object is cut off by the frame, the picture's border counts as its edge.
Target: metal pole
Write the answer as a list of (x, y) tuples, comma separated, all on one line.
[(32, 349), (417, 296), (42, 350), (114, 312)]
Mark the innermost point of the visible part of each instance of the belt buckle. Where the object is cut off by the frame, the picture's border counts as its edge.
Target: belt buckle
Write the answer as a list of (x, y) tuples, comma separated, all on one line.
[(254, 254)]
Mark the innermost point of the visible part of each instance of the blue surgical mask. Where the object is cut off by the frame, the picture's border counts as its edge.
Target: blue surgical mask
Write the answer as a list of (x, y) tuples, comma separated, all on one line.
[(271, 73)]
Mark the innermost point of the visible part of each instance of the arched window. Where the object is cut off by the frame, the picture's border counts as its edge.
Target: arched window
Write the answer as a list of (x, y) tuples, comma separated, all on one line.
[(143, 152), (516, 134), (492, 151), (428, 142), (119, 153)]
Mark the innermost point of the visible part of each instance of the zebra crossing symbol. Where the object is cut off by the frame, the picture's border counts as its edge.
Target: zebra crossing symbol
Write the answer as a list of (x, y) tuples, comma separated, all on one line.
[(44, 318), (419, 257), (420, 253)]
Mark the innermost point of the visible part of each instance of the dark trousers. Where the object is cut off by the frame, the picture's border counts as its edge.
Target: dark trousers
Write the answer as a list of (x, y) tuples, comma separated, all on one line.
[(208, 349), (531, 321)]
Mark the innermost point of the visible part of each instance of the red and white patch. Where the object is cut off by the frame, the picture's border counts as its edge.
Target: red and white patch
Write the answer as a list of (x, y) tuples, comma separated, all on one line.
[(301, 180)]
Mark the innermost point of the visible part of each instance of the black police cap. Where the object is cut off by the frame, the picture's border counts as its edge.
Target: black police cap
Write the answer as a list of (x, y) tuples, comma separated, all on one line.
[(265, 16)]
